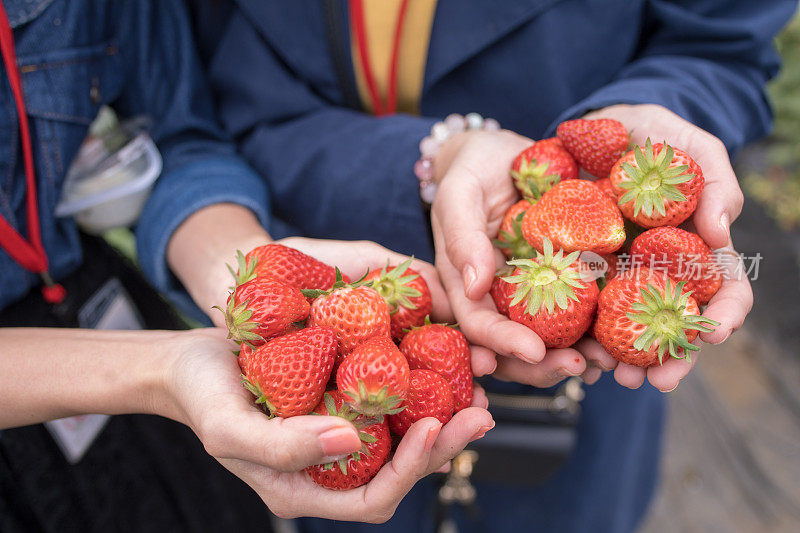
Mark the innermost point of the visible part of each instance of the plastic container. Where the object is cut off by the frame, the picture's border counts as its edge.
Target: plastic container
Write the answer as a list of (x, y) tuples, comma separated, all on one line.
[(111, 178)]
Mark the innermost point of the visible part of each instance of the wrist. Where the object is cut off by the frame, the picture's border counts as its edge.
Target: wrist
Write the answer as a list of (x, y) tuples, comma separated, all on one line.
[(453, 132), (205, 243)]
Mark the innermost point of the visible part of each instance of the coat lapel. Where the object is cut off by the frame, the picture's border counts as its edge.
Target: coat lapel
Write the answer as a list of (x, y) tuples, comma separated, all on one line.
[(462, 29)]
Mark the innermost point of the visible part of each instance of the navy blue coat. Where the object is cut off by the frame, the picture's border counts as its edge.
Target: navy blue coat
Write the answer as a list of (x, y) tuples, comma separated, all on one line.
[(530, 64)]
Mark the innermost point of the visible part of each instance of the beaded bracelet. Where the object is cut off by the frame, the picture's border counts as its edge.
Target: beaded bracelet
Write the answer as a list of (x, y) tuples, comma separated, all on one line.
[(430, 145)]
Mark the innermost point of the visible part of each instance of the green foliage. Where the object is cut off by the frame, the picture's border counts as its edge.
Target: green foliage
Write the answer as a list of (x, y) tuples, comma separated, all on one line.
[(777, 187)]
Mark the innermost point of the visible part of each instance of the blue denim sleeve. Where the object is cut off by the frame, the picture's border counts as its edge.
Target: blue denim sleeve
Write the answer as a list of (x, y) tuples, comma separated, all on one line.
[(332, 172), (706, 60), (201, 167)]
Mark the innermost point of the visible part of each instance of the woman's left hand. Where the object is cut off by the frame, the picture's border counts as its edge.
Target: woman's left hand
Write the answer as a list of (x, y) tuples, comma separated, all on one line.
[(719, 206)]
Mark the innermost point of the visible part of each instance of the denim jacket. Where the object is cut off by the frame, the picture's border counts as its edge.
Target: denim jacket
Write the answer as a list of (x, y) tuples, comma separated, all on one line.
[(138, 57)]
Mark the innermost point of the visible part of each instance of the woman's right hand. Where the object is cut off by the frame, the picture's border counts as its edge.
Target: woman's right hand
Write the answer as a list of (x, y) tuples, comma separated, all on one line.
[(204, 391), (475, 191)]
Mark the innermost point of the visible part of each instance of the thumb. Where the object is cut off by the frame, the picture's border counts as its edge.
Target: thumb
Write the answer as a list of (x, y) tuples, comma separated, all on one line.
[(459, 223), (284, 444), (720, 203)]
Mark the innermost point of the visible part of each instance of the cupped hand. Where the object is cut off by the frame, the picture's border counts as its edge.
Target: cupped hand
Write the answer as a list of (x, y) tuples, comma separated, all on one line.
[(204, 391), (474, 193), (720, 204)]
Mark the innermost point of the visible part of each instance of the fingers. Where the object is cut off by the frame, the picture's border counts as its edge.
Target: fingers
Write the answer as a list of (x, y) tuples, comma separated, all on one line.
[(629, 376), (483, 325), (667, 376), (722, 199), (465, 426), (733, 300), (459, 219), (597, 360), (285, 445), (595, 354), (484, 361), (479, 398), (409, 464), (556, 366)]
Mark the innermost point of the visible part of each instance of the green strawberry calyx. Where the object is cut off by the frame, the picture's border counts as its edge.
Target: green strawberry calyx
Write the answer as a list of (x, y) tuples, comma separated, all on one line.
[(547, 280), (337, 284), (392, 285), (245, 271), (652, 181), (237, 320), (261, 398), (348, 414), (663, 314), (532, 179), (374, 404), (514, 240), (427, 322)]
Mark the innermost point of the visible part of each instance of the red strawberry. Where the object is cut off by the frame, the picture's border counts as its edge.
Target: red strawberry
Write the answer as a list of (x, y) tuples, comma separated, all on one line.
[(263, 308), (643, 315), (510, 239), (657, 186), (604, 184), (444, 350), (355, 312), (374, 377), (575, 215), (407, 294), (288, 375), (683, 255), (540, 166), (551, 297), (612, 260), (429, 395), (502, 291), (288, 265), (595, 144), (357, 468)]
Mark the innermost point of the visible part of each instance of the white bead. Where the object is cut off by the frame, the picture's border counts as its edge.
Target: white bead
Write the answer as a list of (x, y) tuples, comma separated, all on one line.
[(474, 121), (455, 123), (428, 192), (439, 132), (491, 124), (428, 146)]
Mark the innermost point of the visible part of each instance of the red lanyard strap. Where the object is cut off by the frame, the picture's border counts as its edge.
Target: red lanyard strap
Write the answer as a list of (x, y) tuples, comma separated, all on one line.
[(360, 32), (28, 254)]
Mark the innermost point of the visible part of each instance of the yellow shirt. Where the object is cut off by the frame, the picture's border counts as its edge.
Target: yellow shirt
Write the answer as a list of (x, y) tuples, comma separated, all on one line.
[(380, 23)]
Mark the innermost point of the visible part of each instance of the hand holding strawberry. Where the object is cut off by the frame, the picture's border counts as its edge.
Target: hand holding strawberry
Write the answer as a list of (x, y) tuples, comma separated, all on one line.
[(475, 193), (202, 389), (718, 206)]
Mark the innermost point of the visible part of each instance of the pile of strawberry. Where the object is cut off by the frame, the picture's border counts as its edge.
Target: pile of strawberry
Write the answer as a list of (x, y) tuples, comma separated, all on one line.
[(314, 343), (650, 309)]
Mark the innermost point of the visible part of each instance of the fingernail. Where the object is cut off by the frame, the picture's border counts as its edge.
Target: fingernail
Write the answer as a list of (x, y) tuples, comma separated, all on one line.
[(339, 441), (481, 432), (672, 389), (470, 277), (725, 224), (524, 357), (430, 439), (728, 334), (561, 373)]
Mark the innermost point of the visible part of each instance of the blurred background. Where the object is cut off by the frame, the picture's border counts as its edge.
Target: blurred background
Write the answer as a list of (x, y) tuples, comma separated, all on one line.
[(731, 458)]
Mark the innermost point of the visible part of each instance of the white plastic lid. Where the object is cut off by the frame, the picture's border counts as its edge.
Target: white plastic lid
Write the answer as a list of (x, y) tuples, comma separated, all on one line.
[(98, 175)]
